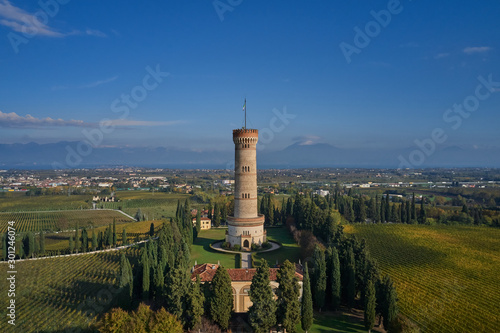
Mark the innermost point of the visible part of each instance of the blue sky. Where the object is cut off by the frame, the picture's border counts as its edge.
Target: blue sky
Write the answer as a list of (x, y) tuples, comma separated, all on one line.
[(78, 58)]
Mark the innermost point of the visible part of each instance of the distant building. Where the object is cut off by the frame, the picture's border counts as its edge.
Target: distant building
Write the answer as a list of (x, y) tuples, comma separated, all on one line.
[(322, 193), (241, 280), (206, 223)]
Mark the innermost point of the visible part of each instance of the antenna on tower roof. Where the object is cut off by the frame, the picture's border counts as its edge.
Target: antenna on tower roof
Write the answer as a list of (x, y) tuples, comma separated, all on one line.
[(245, 109)]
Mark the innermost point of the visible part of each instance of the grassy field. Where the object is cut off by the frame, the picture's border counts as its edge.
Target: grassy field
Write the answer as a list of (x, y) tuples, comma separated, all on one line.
[(289, 250), (447, 277), (18, 201), (61, 220), (60, 241), (62, 294), (341, 322), (202, 253)]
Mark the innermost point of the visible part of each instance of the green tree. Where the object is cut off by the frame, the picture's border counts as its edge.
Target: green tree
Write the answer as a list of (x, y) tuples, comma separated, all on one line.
[(288, 311), (139, 216), (350, 278), (262, 313), (109, 238), (195, 300), (176, 288), (221, 298), (42, 243), (126, 280), (152, 229), (307, 305), (146, 279), (319, 277), (114, 232), (198, 222), (422, 218), (124, 237), (94, 240), (413, 209), (335, 282), (5, 240), (77, 238), (369, 313), (216, 216), (71, 244), (85, 240), (389, 306)]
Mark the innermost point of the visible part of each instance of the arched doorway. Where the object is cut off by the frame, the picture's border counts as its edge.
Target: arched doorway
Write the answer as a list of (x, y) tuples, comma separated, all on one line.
[(246, 243)]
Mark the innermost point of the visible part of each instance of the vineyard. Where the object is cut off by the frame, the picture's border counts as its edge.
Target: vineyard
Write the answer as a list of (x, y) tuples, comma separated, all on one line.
[(61, 220), (20, 202), (447, 277), (75, 290)]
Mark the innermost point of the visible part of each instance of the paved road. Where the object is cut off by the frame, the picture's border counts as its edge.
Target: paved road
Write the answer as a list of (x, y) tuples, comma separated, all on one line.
[(246, 260)]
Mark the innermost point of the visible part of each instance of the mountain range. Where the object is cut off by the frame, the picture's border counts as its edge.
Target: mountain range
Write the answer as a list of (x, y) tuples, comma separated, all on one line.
[(74, 155)]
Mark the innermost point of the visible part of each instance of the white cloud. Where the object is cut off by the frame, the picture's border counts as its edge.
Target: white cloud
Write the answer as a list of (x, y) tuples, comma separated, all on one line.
[(21, 21), (26, 23), (98, 83), (13, 120), (128, 122), (477, 49), (441, 55), (306, 140)]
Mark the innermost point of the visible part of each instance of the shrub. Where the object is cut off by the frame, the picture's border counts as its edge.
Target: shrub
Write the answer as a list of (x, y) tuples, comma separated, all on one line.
[(266, 245), (255, 247), (237, 247), (226, 245)]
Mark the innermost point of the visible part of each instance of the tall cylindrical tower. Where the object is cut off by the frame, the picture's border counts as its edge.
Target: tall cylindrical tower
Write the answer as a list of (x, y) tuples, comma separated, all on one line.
[(246, 226)]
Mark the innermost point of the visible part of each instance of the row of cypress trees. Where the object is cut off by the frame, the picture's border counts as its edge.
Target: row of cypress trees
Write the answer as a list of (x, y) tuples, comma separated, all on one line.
[(28, 245)]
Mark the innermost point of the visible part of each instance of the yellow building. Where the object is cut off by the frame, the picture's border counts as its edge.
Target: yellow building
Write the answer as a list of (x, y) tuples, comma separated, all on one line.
[(206, 223), (241, 280)]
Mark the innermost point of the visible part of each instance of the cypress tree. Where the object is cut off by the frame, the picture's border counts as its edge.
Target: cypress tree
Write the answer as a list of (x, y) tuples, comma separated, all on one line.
[(413, 209), (4, 246), (100, 240), (176, 290), (145, 274), (198, 222), (94, 240), (109, 237), (85, 240), (20, 246), (71, 244), (262, 313), (36, 245), (288, 311), (369, 313), (114, 232), (194, 304), (30, 242), (124, 237), (319, 277), (221, 298), (216, 216), (126, 280), (390, 307), (335, 282), (77, 238), (307, 306), (152, 229), (351, 278), (158, 281), (422, 214)]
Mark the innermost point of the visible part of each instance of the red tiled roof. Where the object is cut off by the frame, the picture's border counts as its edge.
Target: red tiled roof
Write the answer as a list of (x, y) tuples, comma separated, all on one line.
[(207, 273)]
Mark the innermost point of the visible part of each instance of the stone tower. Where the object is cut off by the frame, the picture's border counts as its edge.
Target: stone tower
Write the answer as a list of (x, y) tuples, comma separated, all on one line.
[(246, 226)]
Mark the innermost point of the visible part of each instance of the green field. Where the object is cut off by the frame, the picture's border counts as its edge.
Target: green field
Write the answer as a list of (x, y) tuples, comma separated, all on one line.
[(202, 253), (62, 294), (447, 277), (61, 220), (19, 201), (289, 250)]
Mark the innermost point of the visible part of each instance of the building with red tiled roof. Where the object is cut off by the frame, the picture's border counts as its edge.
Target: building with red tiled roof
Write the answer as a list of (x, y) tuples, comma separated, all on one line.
[(241, 279)]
